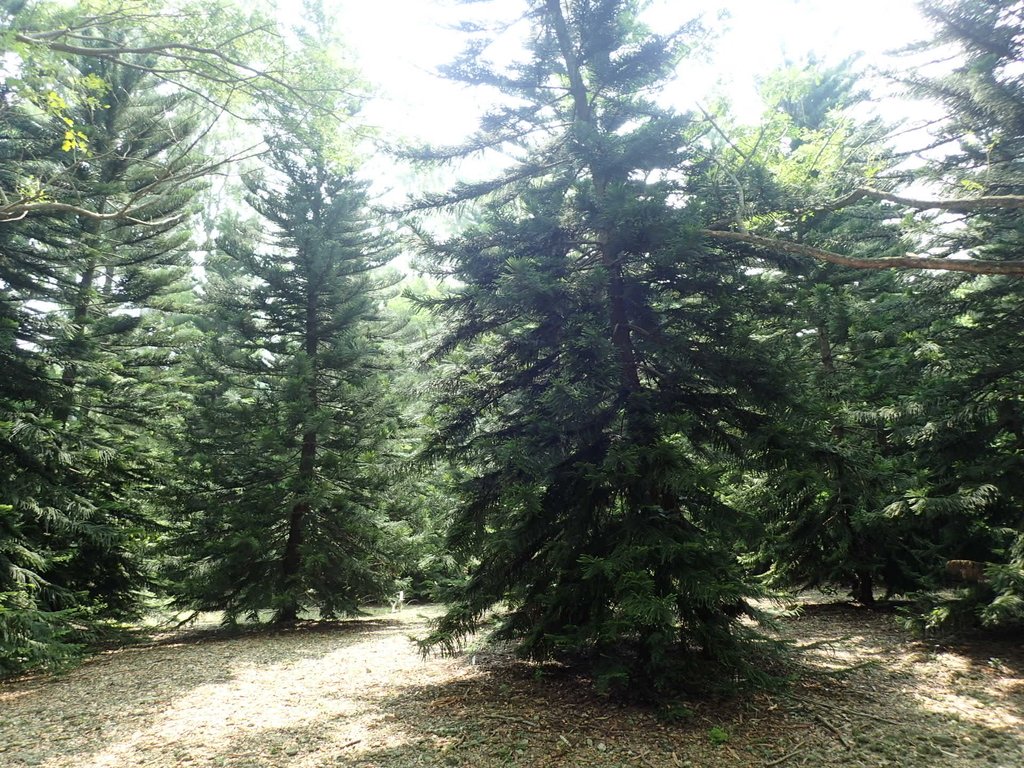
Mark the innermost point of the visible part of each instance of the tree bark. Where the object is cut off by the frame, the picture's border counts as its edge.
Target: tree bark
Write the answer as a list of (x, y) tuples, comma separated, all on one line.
[(291, 563), (863, 587), (79, 320)]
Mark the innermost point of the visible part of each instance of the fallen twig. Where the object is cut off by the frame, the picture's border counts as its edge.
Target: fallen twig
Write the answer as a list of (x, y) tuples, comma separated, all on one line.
[(506, 718), (834, 730), (871, 716), (847, 710), (784, 758)]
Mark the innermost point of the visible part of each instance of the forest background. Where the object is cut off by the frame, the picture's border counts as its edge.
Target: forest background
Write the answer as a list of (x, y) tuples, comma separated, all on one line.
[(658, 364)]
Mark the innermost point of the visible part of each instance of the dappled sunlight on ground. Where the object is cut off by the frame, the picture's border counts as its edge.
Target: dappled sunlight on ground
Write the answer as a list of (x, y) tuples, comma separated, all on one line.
[(912, 702), (960, 686), (357, 693), (241, 701)]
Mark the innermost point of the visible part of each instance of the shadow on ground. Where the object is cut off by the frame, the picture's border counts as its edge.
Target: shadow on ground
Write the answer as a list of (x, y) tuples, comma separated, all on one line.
[(187, 686), (357, 694), (893, 712)]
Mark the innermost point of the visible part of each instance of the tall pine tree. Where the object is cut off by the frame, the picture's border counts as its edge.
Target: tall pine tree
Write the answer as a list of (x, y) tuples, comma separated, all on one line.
[(970, 433), (85, 302), (279, 510), (835, 471), (600, 362)]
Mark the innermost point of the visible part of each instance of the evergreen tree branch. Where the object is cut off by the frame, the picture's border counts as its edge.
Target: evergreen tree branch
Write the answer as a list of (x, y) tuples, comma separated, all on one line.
[(129, 212), (962, 205), (973, 266)]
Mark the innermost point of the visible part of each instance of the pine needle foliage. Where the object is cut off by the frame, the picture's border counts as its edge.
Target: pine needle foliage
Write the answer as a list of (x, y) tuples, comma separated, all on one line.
[(598, 363), (87, 348), (278, 509), (970, 434), (823, 502)]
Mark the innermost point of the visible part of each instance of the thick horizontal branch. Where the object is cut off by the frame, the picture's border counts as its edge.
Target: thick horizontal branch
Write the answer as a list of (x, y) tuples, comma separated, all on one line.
[(973, 266), (19, 211), (131, 209), (50, 41), (962, 205)]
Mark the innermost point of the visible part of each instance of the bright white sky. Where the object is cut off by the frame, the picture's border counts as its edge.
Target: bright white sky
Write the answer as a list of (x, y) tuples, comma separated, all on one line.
[(400, 42)]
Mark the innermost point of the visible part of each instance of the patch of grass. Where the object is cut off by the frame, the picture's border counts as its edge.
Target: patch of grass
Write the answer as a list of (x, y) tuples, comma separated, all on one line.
[(718, 735)]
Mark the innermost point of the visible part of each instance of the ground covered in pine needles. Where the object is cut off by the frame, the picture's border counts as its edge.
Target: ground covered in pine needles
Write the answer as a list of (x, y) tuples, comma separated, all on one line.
[(357, 693)]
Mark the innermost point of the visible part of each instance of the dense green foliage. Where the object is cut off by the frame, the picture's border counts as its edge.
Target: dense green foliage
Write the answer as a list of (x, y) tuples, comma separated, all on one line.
[(821, 498), (291, 405), (656, 373), (969, 437), (600, 362), (88, 307)]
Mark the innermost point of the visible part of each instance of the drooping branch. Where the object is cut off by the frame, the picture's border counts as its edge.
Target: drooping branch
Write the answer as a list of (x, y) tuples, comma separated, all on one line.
[(973, 266), (205, 63), (131, 210), (961, 205)]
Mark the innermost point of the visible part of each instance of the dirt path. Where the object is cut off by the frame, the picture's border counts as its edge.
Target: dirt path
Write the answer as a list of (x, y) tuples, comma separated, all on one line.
[(358, 694)]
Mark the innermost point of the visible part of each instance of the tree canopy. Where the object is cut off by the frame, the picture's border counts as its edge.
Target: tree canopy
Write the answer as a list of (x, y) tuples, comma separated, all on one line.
[(658, 364)]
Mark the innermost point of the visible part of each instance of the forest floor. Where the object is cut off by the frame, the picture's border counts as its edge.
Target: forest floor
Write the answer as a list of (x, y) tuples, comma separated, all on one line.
[(357, 693)]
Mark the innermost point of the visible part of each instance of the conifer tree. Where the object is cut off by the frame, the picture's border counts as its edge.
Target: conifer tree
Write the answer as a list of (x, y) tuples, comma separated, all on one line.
[(279, 508), (969, 436), (124, 284), (85, 302), (34, 619), (600, 361), (238, 59), (833, 475), (84, 305)]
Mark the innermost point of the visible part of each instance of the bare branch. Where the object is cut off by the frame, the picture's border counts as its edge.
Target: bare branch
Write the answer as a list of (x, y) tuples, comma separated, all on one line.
[(962, 205), (225, 68), (19, 211), (51, 41), (973, 266), (720, 132), (129, 212)]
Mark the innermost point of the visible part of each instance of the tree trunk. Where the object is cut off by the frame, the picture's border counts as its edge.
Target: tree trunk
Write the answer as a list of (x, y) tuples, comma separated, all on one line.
[(622, 339), (80, 313), (863, 587), (825, 347), (79, 318), (291, 563), (621, 334)]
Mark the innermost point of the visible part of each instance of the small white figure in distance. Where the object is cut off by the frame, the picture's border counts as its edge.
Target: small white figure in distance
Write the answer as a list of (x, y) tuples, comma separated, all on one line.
[(399, 602)]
